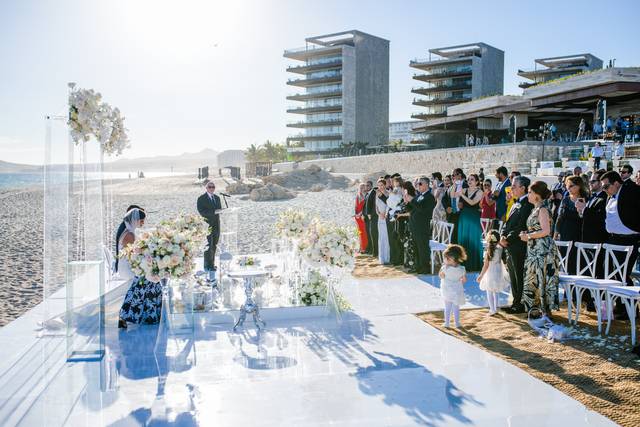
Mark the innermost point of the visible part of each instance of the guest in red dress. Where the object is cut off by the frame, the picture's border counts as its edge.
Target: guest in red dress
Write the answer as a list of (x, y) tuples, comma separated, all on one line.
[(362, 229), (487, 204)]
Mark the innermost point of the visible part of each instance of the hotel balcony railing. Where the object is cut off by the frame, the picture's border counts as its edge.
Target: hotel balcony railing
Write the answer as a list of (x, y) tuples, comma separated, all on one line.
[(444, 88), (425, 116), (303, 69), (305, 96), (447, 100), (442, 75), (318, 123), (310, 50), (315, 109), (315, 81), (420, 61), (303, 137)]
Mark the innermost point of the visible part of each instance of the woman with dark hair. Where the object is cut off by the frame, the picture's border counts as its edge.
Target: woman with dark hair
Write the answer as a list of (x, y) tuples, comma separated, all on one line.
[(359, 208), (121, 228), (541, 267), (126, 236), (569, 223), (487, 204), (469, 227), (406, 238)]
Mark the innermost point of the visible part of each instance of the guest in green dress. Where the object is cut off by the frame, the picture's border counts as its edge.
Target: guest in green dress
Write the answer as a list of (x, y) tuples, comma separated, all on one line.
[(469, 227), (542, 265)]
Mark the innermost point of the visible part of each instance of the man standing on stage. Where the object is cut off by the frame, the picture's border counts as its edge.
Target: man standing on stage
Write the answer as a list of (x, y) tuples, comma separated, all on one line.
[(208, 204)]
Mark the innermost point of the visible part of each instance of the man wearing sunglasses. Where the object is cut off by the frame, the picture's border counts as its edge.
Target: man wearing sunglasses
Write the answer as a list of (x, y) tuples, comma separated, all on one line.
[(208, 204), (622, 219), (422, 211), (626, 172)]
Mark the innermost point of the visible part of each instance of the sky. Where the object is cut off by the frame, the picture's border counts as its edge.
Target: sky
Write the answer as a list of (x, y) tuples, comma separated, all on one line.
[(190, 75)]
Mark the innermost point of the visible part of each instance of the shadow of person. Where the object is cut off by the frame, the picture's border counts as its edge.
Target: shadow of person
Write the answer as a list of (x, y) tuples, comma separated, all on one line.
[(427, 398)]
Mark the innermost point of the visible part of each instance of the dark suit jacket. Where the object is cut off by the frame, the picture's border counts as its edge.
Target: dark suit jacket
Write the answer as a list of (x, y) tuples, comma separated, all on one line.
[(421, 212), (370, 204), (501, 200), (517, 223), (629, 205), (207, 208), (593, 220)]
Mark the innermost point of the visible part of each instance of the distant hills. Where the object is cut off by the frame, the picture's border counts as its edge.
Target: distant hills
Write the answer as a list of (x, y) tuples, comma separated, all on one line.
[(186, 162)]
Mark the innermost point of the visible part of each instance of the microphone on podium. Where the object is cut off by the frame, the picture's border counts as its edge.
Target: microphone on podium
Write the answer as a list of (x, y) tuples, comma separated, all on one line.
[(225, 195)]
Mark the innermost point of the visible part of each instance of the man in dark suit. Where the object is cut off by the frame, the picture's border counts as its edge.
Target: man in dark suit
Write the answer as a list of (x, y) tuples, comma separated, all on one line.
[(372, 217), (515, 248), (626, 172), (593, 212), (622, 220), (365, 216), (500, 193), (208, 204), (421, 213)]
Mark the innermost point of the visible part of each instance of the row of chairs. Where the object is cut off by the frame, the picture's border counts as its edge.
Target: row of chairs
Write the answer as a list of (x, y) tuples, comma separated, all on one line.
[(607, 290)]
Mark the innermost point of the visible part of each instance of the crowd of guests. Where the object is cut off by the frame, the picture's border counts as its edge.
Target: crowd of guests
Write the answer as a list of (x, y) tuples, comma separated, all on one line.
[(524, 218)]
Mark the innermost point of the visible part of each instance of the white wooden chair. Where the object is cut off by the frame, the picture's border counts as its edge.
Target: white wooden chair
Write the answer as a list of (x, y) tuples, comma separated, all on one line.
[(438, 246), (486, 224), (630, 297), (615, 273), (587, 257), (109, 263), (565, 246)]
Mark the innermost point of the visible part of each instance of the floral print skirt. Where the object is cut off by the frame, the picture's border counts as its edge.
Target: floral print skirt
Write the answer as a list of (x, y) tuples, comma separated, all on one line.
[(143, 302)]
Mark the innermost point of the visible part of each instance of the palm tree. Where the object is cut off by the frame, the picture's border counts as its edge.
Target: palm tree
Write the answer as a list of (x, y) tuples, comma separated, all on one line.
[(252, 154)]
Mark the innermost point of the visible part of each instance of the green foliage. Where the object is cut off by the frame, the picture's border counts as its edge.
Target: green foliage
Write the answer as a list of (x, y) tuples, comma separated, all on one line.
[(267, 152)]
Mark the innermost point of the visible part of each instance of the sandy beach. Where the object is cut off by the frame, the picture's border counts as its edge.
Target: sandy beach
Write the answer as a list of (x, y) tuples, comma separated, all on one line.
[(21, 222)]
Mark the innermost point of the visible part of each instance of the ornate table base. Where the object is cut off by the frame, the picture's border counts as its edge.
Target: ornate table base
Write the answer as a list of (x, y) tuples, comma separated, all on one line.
[(249, 306)]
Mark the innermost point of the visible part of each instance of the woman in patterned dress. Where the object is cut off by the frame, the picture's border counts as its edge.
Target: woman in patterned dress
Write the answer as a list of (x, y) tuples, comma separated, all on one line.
[(408, 244), (542, 265)]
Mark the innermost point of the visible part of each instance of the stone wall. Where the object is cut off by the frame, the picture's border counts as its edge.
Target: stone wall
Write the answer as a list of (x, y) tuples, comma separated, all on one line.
[(443, 160)]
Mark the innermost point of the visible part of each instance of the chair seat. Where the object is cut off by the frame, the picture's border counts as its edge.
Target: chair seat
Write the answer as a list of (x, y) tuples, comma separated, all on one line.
[(437, 246), (572, 277), (627, 291), (597, 283)]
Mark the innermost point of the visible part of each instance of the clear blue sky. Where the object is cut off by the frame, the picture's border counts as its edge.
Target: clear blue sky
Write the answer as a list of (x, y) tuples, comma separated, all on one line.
[(158, 60)]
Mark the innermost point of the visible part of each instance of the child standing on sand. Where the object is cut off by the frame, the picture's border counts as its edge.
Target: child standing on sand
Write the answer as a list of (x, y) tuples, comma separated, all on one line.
[(453, 276)]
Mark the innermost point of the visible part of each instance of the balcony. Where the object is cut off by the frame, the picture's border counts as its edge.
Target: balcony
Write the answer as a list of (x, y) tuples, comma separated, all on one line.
[(441, 101), (303, 137), (307, 96), (319, 123), (305, 52), (426, 116), (444, 88), (315, 81), (442, 75), (316, 109), (304, 69), (425, 63)]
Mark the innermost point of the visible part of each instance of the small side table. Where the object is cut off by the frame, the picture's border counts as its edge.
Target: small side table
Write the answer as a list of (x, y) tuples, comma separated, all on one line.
[(249, 306)]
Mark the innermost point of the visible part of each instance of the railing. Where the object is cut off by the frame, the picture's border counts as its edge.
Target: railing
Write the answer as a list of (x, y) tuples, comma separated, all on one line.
[(309, 107), (437, 60), (326, 64), (443, 88), (315, 94), (422, 101), (308, 48), (438, 75), (316, 79), (312, 123)]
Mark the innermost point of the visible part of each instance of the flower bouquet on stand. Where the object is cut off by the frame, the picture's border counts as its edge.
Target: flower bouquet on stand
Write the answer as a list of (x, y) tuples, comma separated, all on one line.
[(290, 226)]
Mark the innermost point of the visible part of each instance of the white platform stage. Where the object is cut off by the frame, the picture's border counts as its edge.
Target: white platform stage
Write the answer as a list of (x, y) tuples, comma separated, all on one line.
[(378, 366)]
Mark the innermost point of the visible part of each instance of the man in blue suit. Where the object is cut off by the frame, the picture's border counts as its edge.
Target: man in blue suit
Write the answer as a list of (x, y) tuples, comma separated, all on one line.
[(500, 193)]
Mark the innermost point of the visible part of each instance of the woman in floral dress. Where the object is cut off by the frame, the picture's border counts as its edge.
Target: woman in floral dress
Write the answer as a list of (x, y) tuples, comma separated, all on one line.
[(408, 244), (542, 265)]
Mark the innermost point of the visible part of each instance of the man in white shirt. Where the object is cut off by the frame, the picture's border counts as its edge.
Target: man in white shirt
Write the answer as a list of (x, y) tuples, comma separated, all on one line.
[(597, 153), (622, 219)]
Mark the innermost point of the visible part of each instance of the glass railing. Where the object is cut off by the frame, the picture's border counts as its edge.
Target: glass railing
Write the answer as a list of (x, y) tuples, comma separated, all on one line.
[(324, 88), (436, 60), (324, 131), (321, 74), (324, 60), (449, 97), (445, 71), (307, 48), (310, 78)]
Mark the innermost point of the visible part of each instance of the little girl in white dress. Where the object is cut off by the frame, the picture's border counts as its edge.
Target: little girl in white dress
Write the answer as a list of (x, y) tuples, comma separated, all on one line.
[(494, 277), (453, 277)]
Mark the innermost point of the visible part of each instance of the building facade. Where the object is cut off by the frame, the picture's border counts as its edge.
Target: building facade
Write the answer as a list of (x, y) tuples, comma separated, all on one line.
[(402, 131), (558, 67), (343, 91), (453, 75)]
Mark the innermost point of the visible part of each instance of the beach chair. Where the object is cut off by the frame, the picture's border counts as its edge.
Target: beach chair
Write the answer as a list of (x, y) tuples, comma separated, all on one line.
[(445, 231), (615, 273)]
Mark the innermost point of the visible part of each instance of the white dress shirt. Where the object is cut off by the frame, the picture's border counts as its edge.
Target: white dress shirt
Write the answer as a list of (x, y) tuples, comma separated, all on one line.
[(613, 222)]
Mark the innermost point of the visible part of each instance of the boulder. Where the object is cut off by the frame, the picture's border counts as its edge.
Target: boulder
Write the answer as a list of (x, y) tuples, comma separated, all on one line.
[(317, 188), (304, 179), (241, 188), (270, 192), (373, 177)]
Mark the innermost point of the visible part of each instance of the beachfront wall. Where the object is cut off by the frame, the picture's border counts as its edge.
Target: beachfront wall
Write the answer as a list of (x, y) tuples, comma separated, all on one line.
[(516, 157)]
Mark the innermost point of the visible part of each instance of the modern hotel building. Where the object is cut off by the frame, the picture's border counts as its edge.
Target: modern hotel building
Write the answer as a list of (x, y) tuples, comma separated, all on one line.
[(558, 67), (343, 91)]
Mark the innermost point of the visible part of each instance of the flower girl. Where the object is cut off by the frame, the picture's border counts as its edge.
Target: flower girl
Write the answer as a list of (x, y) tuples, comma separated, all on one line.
[(453, 275), (494, 277)]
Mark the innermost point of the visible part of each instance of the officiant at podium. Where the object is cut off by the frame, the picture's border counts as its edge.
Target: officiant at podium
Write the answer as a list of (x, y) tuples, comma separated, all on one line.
[(208, 204)]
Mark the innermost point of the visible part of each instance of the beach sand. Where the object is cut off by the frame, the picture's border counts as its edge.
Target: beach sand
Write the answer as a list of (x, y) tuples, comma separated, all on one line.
[(21, 222)]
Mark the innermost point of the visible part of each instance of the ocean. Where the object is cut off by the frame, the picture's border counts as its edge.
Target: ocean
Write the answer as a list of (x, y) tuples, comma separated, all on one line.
[(24, 180)]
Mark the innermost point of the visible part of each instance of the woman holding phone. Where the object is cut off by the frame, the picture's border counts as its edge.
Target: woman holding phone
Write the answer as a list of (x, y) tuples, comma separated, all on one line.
[(569, 223)]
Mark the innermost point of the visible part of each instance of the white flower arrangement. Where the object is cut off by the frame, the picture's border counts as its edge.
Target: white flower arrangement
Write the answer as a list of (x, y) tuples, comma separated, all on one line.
[(247, 261), (315, 290), (291, 223), (89, 116), (329, 245), (169, 250)]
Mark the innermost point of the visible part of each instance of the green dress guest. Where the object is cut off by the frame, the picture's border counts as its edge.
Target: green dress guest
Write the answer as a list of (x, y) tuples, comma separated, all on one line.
[(542, 265), (469, 227)]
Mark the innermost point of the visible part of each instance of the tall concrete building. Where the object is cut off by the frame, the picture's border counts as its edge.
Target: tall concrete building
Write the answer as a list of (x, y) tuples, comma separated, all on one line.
[(343, 91), (402, 131), (456, 74), (558, 67)]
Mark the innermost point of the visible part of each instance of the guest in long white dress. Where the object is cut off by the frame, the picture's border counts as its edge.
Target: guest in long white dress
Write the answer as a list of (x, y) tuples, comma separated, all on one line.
[(453, 277), (494, 277), (384, 251)]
